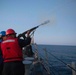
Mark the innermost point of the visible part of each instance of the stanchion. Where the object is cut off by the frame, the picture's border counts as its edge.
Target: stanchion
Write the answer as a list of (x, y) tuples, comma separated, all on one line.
[(73, 65), (27, 66)]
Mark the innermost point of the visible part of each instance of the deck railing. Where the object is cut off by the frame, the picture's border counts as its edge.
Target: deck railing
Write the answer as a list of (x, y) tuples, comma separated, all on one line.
[(47, 64)]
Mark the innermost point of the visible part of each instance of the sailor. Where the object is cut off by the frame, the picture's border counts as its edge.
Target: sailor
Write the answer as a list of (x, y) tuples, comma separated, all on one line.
[(2, 37), (28, 50), (12, 53)]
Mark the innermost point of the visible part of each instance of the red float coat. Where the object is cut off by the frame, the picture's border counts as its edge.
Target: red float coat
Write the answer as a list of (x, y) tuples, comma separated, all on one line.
[(11, 50)]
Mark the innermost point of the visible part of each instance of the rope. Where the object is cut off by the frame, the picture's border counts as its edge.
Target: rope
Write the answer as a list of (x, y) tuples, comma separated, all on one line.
[(63, 62), (49, 64), (45, 65)]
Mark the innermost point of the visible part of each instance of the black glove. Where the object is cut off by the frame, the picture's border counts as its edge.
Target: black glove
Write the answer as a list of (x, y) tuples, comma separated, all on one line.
[(21, 35)]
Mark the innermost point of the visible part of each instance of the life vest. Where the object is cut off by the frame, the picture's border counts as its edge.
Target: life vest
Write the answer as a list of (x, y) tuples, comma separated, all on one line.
[(11, 50)]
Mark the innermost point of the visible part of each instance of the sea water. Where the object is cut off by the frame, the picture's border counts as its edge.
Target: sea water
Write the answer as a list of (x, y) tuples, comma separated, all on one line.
[(59, 57)]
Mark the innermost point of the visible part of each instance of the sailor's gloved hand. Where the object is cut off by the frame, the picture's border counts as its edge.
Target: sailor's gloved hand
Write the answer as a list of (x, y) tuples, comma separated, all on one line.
[(21, 35), (28, 33)]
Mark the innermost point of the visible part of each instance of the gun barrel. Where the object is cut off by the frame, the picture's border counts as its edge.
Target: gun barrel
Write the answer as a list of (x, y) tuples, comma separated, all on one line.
[(30, 29), (35, 27)]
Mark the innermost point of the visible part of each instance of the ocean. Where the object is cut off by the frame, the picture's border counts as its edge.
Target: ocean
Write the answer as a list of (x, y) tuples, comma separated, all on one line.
[(59, 57)]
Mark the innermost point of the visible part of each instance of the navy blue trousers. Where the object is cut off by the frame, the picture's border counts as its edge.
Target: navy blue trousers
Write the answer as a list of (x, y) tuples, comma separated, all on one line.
[(13, 68)]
